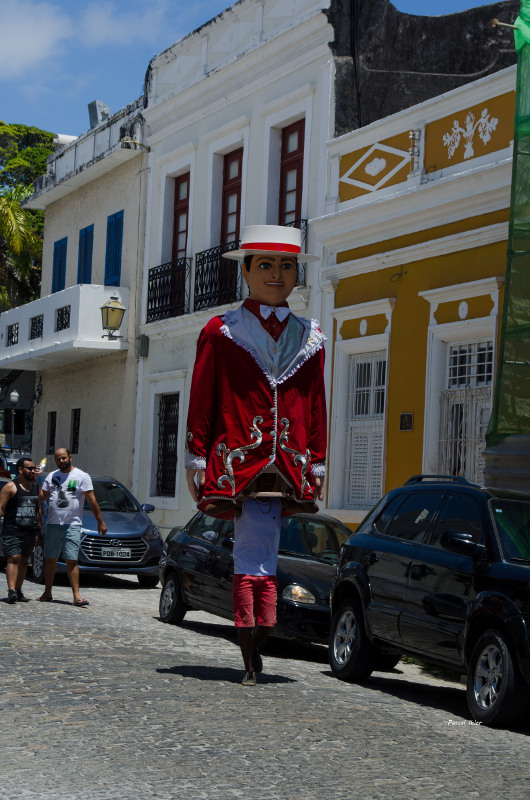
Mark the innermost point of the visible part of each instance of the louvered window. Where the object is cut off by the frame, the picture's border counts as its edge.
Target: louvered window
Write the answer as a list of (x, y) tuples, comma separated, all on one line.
[(168, 423), (59, 265), (366, 409), (84, 264), (113, 252)]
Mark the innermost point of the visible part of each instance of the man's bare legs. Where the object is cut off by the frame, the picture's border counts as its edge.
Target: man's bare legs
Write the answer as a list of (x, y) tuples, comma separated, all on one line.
[(16, 568), (72, 569), (251, 639)]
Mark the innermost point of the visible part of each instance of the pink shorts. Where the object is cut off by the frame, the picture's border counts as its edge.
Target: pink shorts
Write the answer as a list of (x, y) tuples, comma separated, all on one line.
[(254, 600)]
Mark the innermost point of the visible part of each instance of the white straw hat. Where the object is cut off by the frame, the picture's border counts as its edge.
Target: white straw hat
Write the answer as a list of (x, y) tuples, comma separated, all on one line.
[(270, 240)]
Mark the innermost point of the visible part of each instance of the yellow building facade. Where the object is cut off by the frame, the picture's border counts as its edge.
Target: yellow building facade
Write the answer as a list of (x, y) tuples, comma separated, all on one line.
[(414, 256)]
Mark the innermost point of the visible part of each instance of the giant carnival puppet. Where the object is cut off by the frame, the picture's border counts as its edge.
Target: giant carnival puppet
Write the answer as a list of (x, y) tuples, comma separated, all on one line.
[(256, 432)]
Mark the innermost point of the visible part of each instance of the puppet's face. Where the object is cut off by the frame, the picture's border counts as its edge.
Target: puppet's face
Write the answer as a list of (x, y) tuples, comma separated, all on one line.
[(271, 278)]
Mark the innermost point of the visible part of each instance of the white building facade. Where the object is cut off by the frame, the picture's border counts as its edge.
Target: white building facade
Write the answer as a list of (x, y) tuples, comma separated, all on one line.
[(94, 198), (238, 115)]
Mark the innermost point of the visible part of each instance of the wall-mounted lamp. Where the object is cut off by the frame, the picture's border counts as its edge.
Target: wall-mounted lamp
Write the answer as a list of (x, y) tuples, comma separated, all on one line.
[(128, 140), (112, 317)]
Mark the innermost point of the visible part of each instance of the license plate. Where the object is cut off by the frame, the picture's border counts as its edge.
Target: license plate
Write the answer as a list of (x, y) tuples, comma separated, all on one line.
[(115, 552)]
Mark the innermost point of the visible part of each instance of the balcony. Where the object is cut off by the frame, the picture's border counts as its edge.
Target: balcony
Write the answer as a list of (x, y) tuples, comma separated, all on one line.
[(168, 290), (217, 281), (59, 329)]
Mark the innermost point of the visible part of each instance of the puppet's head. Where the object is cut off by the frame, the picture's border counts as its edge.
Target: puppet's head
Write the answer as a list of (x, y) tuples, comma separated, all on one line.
[(270, 256)]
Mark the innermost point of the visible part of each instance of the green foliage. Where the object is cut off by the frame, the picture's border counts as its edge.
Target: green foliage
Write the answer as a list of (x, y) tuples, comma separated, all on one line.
[(23, 153)]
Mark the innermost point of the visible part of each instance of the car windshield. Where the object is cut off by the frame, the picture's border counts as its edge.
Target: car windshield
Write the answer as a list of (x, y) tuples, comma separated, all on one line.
[(512, 520), (312, 538), (112, 496)]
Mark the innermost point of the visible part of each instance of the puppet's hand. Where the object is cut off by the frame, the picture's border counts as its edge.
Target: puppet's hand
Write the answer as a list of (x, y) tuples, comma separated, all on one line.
[(192, 485), (319, 487)]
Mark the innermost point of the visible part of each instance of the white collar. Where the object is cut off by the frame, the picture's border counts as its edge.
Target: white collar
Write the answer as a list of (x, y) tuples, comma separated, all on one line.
[(281, 313)]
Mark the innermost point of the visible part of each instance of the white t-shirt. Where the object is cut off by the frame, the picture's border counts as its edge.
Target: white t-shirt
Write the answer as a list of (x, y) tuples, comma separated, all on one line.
[(65, 505), (257, 537)]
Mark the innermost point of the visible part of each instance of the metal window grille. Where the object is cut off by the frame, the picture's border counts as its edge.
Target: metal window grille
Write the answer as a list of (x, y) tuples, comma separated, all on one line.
[(76, 424), (52, 426), (366, 409), (12, 334), (37, 324), (62, 318), (168, 422), (465, 408), (464, 418)]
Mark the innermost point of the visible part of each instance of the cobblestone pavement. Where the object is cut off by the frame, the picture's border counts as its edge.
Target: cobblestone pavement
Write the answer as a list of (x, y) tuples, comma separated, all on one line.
[(107, 702)]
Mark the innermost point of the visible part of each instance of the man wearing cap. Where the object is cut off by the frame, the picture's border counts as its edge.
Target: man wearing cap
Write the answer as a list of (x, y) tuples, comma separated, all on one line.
[(257, 423)]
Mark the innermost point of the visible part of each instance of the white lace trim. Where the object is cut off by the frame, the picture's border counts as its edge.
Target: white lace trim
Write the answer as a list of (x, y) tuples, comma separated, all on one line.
[(311, 347), (318, 470), (191, 461)]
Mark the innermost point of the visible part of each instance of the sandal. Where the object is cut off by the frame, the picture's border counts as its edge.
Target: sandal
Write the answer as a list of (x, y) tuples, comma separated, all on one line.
[(81, 603), (46, 598)]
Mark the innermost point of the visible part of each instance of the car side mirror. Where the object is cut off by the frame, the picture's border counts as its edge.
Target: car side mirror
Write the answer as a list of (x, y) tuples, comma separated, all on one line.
[(147, 507), (462, 542), (227, 543)]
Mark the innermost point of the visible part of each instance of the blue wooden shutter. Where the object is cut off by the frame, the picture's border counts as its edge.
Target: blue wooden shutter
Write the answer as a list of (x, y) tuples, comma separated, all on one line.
[(59, 265), (89, 242), (113, 254), (84, 268)]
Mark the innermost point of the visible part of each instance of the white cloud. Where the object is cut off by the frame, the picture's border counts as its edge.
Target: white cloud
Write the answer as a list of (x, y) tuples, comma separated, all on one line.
[(32, 34), (103, 23)]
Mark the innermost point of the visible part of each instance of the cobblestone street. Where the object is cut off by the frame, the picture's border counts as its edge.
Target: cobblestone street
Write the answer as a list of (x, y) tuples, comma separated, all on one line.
[(107, 702)]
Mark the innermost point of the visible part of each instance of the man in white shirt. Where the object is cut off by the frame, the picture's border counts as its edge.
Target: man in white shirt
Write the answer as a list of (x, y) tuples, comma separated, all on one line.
[(66, 490)]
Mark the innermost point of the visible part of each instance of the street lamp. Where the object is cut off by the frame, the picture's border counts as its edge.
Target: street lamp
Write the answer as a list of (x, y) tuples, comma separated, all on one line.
[(13, 399), (111, 317)]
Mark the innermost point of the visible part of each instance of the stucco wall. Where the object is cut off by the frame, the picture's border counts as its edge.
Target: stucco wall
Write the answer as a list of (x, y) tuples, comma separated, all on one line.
[(104, 389)]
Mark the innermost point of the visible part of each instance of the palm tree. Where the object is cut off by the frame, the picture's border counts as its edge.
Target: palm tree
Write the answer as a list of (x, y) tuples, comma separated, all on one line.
[(20, 248)]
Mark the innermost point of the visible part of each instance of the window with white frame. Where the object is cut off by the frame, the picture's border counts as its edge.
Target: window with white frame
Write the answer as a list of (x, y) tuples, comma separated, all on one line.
[(365, 429), (465, 408)]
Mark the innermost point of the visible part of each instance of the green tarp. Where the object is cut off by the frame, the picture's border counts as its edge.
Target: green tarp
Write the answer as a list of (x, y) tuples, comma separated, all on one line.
[(511, 401)]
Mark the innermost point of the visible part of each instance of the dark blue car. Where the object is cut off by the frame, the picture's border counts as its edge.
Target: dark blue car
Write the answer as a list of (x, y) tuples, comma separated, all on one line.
[(132, 546)]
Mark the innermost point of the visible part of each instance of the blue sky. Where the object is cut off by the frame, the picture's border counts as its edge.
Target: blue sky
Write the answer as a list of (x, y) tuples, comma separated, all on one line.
[(56, 56)]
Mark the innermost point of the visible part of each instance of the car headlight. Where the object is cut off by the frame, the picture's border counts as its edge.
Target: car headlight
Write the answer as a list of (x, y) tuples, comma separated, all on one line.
[(299, 595), (151, 534)]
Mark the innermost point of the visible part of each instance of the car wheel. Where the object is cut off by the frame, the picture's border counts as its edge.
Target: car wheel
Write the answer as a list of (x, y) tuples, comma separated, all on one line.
[(37, 563), (148, 581), (171, 608), (350, 652), (496, 693), (385, 662)]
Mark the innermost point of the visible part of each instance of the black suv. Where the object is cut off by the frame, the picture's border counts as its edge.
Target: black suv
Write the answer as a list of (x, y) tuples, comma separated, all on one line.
[(440, 570)]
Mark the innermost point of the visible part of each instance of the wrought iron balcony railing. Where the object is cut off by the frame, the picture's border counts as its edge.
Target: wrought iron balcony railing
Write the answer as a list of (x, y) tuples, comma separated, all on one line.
[(168, 290), (302, 225), (217, 279)]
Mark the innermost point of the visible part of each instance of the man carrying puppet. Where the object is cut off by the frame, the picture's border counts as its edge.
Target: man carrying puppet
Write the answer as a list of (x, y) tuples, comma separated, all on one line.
[(256, 433)]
